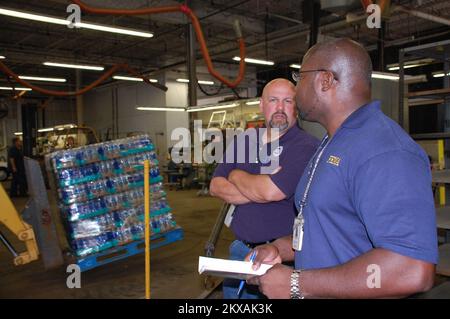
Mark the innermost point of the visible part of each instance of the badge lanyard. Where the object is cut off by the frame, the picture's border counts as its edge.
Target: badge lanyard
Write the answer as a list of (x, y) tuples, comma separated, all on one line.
[(299, 222)]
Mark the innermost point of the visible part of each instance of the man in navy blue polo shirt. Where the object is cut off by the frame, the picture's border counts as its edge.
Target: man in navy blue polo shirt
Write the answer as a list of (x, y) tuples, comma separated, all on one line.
[(264, 202), (366, 224)]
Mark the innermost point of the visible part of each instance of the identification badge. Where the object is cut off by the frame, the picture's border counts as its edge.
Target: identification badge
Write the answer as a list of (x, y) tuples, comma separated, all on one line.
[(297, 237), (229, 216)]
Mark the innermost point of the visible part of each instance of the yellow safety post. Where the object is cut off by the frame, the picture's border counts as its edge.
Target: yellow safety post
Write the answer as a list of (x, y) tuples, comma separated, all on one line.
[(147, 227), (441, 161)]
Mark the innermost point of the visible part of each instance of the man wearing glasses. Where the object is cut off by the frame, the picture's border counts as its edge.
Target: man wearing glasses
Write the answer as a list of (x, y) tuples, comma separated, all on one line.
[(366, 220)]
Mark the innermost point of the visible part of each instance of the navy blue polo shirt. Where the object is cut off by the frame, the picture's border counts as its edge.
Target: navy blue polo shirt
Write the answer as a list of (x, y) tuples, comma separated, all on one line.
[(371, 189), (256, 222)]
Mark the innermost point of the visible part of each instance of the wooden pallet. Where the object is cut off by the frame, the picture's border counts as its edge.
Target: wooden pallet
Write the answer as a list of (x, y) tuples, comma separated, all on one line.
[(124, 251)]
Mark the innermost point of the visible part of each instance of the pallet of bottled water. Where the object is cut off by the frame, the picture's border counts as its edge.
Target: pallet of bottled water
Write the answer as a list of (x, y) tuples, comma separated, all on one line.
[(100, 193)]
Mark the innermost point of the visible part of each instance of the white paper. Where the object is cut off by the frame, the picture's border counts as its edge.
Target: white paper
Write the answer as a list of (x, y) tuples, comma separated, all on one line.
[(229, 268)]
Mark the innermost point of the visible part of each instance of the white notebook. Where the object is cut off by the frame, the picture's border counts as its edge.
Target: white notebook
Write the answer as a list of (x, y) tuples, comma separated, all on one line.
[(229, 268)]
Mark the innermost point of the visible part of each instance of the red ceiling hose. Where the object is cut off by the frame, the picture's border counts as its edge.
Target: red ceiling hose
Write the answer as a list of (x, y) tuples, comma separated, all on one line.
[(105, 76), (198, 31), (382, 4), (182, 8)]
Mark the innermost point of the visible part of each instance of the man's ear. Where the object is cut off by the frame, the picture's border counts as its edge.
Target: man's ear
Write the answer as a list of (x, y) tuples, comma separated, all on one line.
[(261, 109), (326, 81)]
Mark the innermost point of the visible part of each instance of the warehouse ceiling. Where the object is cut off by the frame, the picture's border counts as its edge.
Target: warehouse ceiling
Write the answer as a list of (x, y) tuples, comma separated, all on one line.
[(273, 30)]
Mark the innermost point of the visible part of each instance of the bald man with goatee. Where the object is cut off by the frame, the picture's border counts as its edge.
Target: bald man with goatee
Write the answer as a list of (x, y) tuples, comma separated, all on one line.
[(262, 185)]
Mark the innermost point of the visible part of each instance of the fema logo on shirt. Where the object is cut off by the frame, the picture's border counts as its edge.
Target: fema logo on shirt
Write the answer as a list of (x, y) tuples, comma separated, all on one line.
[(277, 152)]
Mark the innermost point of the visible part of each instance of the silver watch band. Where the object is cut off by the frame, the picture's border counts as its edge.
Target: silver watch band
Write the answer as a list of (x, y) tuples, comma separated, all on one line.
[(296, 292)]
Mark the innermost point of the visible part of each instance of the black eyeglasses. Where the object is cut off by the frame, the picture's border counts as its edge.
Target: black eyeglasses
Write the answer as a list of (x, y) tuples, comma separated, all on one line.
[(296, 75)]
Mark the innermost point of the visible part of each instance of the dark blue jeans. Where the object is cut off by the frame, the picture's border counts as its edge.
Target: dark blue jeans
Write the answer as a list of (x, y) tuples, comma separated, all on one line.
[(238, 251), (18, 182)]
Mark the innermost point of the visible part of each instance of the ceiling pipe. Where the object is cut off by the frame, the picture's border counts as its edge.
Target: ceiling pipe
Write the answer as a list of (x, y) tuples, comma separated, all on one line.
[(423, 15), (382, 4), (198, 31)]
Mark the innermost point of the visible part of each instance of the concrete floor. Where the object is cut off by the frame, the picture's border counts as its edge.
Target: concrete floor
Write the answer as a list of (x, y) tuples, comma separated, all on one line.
[(173, 267)]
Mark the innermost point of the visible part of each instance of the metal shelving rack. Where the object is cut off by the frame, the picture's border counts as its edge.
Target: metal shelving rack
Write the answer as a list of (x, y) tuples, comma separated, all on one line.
[(439, 51)]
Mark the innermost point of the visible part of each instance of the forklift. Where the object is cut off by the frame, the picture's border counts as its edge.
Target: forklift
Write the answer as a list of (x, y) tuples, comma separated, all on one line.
[(34, 226), (12, 220)]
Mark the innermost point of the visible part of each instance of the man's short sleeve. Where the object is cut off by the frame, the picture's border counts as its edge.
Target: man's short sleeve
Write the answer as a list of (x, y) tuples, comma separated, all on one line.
[(392, 194), (13, 153), (293, 163)]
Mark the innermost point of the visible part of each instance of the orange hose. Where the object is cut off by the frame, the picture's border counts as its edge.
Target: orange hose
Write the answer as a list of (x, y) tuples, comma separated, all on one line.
[(105, 76), (382, 4), (198, 30), (182, 8), (366, 3)]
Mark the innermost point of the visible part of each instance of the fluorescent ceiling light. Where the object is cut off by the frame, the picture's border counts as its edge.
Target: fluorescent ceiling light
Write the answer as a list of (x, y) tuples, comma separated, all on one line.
[(8, 88), (295, 66), (215, 107), (2, 57), (35, 17), (64, 126), (255, 61), (407, 66), (200, 81), (92, 26), (206, 82), (129, 78), (37, 78), (386, 76), (252, 103), (48, 129), (170, 109), (114, 30), (75, 66), (410, 64), (18, 133), (440, 74)]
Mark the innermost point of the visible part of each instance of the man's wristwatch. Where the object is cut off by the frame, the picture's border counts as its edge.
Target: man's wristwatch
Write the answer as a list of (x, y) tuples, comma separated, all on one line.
[(296, 292)]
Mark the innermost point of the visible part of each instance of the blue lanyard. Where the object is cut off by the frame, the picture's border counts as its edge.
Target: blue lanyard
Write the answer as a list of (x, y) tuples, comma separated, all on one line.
[(311, 173)]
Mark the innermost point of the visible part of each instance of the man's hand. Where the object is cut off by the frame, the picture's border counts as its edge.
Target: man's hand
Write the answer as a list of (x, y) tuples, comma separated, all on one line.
[(276, 283), (265, 254), (235, 175)]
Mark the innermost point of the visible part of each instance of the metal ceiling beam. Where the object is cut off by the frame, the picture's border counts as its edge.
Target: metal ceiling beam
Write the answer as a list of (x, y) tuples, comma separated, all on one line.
[(423, 15)]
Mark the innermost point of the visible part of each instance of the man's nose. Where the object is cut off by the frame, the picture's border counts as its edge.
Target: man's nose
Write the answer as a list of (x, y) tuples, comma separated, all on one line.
[(280, 106)]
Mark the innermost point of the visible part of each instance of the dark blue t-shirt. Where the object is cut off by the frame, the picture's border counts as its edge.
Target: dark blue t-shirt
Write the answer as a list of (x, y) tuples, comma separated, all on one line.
[(371, 189), (255, 222)]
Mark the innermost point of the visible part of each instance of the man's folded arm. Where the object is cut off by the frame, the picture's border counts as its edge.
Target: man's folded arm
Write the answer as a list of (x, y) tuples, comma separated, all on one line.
[(222, 188)]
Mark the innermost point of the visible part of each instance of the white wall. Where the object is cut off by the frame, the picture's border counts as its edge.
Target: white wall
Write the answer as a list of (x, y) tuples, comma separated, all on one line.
[(176, 95), (98, 111), (60, 112)]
